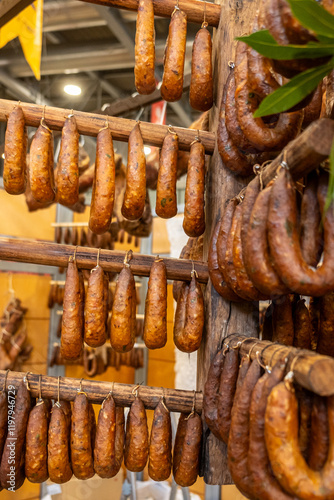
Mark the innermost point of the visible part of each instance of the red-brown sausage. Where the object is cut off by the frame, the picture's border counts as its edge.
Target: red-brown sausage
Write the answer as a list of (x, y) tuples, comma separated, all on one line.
[(302, 326), (95, 327), (325, 343), (187, 450), (194, 216), (283, 323), (319, 433), (41, 175), (210, 396), (104, 449), (81, 444), (310, 222), (59, 466), (36, 455), (72, 324), (68, 166), (122, 334), (136, 438), (155, 321), (15, 166), (201, 83), (160, 450), (166, 203), (145, 48)]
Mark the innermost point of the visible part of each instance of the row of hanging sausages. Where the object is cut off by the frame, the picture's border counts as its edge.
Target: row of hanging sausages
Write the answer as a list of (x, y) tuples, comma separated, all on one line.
[(65, 440)]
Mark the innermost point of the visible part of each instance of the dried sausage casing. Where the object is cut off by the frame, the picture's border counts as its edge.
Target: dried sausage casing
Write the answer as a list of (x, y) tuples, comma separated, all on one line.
[(194, 216), (201, 84), (81, 443), (41, 175), (166, 203), (136, 438), (122, 332), (104, 449), (72, 325), (95, 327), (155, 320), (68, 166), (58, 447), (187, 449), (160, 450), (144, 48), (36, 455), (15, 166)]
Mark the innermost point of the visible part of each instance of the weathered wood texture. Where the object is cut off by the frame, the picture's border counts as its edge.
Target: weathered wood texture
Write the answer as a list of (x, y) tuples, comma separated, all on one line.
[(175, 399), (164, 8), (53, 254), (90, 124), (222, 317), (311, 370), (11, 8)]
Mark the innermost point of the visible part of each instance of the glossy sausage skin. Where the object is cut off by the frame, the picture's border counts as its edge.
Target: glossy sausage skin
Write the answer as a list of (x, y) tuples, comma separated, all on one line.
[(201, 84), (155, 321), (160, 450), (145, 48), (71, 343), (194, 215), (81, 444), (15, 167), (68, 166), (186, 460), (95, 327), (310, 230), (41, 175), (122, 334), (166, 203)]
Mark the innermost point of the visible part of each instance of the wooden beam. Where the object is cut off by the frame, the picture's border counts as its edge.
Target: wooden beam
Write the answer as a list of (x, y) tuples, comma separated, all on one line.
[(10, 9), (90, 124), (175, 399), (164, 8), (53, 254)]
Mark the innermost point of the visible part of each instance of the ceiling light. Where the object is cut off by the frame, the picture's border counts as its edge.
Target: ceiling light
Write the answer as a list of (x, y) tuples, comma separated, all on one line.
[(72, 89), (147, 150)]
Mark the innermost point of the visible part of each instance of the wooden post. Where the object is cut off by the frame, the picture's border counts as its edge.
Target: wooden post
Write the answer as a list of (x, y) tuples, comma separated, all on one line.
[(222, 317)]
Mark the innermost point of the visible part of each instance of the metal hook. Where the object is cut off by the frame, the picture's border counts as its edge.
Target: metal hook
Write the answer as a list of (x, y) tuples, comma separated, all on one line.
[(26, 381), (204, 23), (135, 391), (127, 258), (171, 129)]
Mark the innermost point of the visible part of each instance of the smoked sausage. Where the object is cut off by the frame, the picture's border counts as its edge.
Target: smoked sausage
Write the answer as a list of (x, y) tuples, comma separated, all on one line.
[(81, 444), (194, 216), (187, 450), (201, 83), (155, 320), (160, 449), (15, 166), (166, 203), (145, 48), (59, 466), (210, 396), (71, 342), (104, 449), (41, 175), (68, 165), (136, 438), (36, 455), (95, 326)]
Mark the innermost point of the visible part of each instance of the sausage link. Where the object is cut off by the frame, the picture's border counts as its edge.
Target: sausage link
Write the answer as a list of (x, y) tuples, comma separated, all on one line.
[(103, 194), (104, 449), (160, 450), (68, 166), (36, 455), (67, 410), (184, 254), (3, 420), (201, 83), (155, 320), (71, 343), (15, 166), (210, 396), (136, 437), (283, 321), (119, 439), (59, 466), (135, 190), (314, 310), (180, 313), (95, 328), (166, 203), (194, 216), (227, 388), (186, 461), (41, 175), (319, 438), (122, 336), (172, 79), (81, 445), (326, 327), (106, 299), (13, 452), (144, 48), (310, 221), (304, 411), (302, 326)]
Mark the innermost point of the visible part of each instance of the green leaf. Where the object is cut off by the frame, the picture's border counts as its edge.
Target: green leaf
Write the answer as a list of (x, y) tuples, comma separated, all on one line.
[(265, 44), (330, 191), (294, 91), (313, 16)]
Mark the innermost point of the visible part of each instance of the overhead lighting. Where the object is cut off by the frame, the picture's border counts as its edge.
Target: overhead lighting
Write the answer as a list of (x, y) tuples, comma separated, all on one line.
[(3, 156), (147, 150), (72, 89)]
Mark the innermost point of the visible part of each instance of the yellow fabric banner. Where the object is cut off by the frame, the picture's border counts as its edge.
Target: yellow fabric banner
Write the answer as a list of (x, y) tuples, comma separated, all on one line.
[(28, 26)]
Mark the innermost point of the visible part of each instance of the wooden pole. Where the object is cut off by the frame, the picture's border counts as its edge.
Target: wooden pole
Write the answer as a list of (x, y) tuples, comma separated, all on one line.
[(176, 400), (164, 8), (53, 254), (90, 124), (222, 317)]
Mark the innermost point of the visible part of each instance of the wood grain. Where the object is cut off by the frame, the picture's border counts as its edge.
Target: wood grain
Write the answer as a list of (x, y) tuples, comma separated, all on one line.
[(164, 8), (52, 254), (175, 399), (11, 8), (90, 124)]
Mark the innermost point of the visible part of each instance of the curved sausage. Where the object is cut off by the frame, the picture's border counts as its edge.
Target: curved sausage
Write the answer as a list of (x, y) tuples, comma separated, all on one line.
[(160, 449), (136, 437), (186, 461), (227, 388), (145, 48), (135, 189), (184, 254), (95, 327), (36, 455), (122, 334), (210, 396), (41, 175), (68, 165), (284, 241), (201, 83), (59, 466), (71, 342), (172, 79), (180, 313), (104, 449), (103, 193), (310, 222), (15, 166), (166, 203), (319, 438), (155, 320), (302, 326), (81, 444), (194, 215)]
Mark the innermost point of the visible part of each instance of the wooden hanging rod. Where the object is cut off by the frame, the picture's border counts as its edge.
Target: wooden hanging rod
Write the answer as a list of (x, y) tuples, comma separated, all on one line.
[(90, 124), (176, 400), (53, 254), (164, 8), (312, 371)]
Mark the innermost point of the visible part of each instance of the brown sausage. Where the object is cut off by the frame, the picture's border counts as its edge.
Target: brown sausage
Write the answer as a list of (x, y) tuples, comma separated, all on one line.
[(136, 438), (135, 190), (3, 419), (210, 396), (68, 166), (319, 434), (186, 461), (201, 83), (227, 388), (122, 336), (314, 310), (81, 445), (194, 216), (145, 48), (304, 411), (160, 450), (58, 447), (185, 254), (119, 439), (103, 194), (67, 410), (13, 452), (166, 203), (106, 299), (15, 167), (179, 439), (283, 323), (155, 321), (95, 327), (104, 449), (172, 80), (310, 220), (243, 369), (284, 240), (36, 457), (302, 326), (71, 343), (188, 336), (180, 313), (267, 326), (40, 169), (326, 328)]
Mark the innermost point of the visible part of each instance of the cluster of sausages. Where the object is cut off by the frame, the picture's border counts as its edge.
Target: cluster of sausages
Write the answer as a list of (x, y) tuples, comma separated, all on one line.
[(65, 440), (13, 346), (278, 436), (265, 247), (201, 85)]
